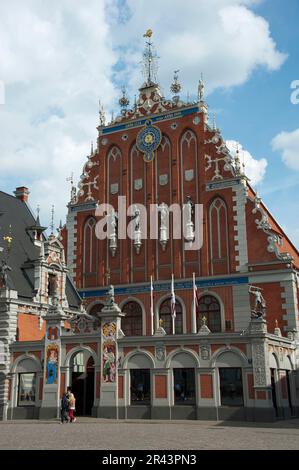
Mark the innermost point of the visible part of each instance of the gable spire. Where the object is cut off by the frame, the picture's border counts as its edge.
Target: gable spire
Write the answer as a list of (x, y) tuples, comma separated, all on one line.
[(150, 63)]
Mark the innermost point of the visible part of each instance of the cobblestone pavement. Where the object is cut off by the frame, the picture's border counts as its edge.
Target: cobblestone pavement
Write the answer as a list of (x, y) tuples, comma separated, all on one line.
[(90, 433)]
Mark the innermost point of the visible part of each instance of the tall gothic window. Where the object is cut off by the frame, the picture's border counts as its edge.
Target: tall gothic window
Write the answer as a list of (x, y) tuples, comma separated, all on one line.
[(219, 255), (165, 315), (90, 253), (209, 308), (131, 323)]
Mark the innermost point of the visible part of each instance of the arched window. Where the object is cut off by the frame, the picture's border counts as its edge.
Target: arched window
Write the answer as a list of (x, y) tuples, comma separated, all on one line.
[(165, 315), (209, 308), (218, 237), (131, 323), (90, 253)]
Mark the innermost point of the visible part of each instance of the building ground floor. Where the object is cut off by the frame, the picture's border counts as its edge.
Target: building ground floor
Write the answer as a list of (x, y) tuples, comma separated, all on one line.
[(205, 376)]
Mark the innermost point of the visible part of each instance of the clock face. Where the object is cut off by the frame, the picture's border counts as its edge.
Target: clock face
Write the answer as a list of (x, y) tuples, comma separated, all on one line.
[(148, 140)]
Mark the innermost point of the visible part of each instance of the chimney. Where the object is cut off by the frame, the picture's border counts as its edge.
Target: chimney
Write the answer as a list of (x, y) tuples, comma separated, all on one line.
[(22, 193)]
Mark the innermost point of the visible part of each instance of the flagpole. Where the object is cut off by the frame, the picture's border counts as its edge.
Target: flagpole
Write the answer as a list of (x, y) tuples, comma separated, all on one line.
[(152, 306), (193, 326), (173, 312)]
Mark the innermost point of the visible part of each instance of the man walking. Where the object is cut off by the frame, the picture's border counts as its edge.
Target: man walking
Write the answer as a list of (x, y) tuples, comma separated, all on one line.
[(64, 408)]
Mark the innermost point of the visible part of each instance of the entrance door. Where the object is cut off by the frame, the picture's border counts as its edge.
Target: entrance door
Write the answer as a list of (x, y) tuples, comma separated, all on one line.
[(273, 388), (83, 383), (289, 391)]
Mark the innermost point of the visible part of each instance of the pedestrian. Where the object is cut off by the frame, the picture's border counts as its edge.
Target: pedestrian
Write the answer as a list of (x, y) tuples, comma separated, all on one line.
[(64, 408), (72, 405)]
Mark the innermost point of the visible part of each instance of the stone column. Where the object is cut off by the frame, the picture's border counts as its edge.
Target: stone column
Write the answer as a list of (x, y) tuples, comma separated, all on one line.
[(264, 410), (110, 317), (8, 331), (50, 407)]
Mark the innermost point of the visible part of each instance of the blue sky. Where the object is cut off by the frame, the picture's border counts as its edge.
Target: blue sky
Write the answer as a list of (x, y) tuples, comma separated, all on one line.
[(257, 111), (56, 62)]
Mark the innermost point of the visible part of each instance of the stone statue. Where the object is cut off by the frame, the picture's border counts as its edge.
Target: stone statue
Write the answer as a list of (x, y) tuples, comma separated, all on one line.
[(112, 224), (137, 218), (189, 209), (164, 224), (201, 90), (188, 222), (3, 273), (259, 302), (112, 217), (111, 299), (164, 215)]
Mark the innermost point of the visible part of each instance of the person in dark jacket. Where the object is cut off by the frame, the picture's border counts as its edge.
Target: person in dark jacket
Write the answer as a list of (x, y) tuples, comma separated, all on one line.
[(64, 408)]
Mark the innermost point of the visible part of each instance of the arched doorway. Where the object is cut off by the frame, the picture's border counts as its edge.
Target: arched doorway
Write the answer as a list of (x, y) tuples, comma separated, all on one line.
[(82, 382)]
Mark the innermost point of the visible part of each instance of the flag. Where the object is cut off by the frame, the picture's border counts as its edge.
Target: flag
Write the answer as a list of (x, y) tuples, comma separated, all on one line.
[(172, 301), (195, 297)]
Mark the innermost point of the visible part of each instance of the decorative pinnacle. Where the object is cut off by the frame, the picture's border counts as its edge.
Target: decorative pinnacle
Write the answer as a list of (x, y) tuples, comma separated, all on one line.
[(201, 89), (175, 87), (149, 59), (91, 149), (37, 217), (237, 162), (124, 101), (214, 122), (102, 114), (52, 220)]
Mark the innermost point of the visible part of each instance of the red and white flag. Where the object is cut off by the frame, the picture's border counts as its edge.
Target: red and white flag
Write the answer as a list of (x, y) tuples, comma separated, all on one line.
[(195, 298), (172, 301)]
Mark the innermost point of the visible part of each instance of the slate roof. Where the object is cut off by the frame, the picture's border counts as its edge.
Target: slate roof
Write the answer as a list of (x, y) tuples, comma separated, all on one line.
[(17, 213)]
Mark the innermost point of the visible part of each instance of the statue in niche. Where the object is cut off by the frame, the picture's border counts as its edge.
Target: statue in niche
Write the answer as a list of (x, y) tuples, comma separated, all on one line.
[(112, 227), (164, 215), (188, 215), (136, 218), (164, 211), (112, 217)]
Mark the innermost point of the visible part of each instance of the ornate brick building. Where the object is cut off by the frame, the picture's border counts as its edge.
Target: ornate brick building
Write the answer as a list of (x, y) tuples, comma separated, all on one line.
[(229, 348)]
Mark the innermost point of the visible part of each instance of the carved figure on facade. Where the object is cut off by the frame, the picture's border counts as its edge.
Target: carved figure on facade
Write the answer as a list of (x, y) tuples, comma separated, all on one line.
[(259, 307), (137, 230), (112, 229), (160, 352), (164, 211), (188, 218), (264, 225), (4, 269)]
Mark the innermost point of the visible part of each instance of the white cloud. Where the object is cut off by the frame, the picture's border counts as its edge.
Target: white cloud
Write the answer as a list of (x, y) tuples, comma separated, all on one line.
[(287, 143), (57, 58), (56, 61), (224, 39), (254, 169)]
